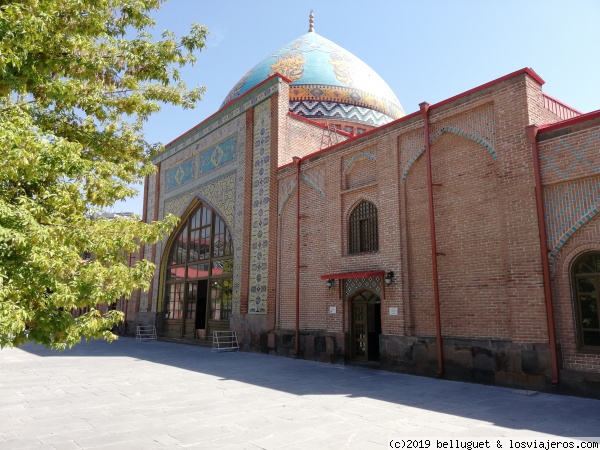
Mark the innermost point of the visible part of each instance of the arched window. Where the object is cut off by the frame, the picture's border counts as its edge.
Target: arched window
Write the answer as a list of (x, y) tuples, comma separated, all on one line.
[(586, 288), (362, 229), (199, 270)]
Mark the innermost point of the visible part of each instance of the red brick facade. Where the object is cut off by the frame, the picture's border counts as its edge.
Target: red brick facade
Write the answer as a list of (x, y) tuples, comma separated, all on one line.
[(493, 312), (492, 304)]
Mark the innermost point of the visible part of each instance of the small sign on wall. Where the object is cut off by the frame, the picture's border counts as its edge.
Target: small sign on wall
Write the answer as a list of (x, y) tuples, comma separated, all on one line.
[(393, 311), (332, 309)]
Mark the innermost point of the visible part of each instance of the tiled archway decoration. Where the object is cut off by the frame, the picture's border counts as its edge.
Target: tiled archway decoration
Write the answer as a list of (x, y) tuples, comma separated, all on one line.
[(476, 125), (220, 194), (567, 208), (314, 177), (352, 285)]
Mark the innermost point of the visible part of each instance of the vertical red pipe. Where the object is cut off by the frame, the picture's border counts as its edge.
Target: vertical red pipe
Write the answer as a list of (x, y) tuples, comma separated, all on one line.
[(297, 161), (436, 291), (531, 132)]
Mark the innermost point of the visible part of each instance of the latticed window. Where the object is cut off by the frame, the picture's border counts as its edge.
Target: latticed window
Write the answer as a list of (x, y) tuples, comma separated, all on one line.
[(586, 287), (201, 255), (362, 229)]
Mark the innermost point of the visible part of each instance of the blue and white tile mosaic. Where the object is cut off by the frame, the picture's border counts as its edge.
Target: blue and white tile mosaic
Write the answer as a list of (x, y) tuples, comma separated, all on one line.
[(259, 241)]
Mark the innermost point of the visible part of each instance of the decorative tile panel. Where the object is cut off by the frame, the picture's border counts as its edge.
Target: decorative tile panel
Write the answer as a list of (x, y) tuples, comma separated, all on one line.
[(553, 160), (287, 186), (353, 285), (219, 194), (476, 125), (218, 155), (221, 117), (259, 241), (567, 207), (412, 145), (339, 111), (315, 178), (180, 175), (369, 155)]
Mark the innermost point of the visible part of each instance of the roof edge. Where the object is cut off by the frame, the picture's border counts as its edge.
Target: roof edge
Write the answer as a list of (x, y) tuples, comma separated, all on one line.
[(524, 71), (566, 123)]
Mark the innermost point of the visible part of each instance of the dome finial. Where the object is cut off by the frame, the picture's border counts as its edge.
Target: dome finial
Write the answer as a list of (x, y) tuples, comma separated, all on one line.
[(311, 22)]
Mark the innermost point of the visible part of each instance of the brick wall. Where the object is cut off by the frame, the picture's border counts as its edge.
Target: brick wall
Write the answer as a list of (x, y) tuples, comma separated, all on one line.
[(471, 242), (302, 138), (569, 164), (489, 267)]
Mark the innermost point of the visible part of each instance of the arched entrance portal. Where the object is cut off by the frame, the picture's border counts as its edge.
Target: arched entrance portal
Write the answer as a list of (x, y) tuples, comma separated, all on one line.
[(365, 326), (198, 276)]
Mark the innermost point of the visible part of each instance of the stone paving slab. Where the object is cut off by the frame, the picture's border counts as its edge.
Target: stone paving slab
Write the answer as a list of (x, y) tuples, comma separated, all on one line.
[(165, 395)]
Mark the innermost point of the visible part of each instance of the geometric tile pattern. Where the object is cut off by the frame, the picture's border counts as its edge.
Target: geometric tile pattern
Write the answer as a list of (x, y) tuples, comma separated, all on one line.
[(567, 207), (322, 71), (315, 178), (365, 154), (352, 285), (223, 116), (564, 166), (286, 189), (180, 175), (323, 94), (412, 145), (219, 154), (476, 125), (259, 238), (219, 194), (338, 111)]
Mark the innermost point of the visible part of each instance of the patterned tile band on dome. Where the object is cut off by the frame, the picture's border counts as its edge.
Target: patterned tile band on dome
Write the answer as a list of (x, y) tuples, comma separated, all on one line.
[(320, 70), (337, 111), (343, 95)]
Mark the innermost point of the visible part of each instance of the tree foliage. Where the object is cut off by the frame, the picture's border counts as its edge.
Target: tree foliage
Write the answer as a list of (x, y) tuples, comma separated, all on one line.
[(78, 78)]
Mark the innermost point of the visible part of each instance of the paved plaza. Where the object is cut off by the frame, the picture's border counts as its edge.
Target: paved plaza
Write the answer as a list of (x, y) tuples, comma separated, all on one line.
[(131, 395)]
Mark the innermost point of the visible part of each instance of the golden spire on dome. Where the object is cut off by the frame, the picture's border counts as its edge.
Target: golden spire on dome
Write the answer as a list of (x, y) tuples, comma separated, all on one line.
[(311, 22)]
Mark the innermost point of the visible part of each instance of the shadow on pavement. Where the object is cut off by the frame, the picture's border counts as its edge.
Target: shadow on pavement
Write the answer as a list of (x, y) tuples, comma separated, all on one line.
[(545, 413)]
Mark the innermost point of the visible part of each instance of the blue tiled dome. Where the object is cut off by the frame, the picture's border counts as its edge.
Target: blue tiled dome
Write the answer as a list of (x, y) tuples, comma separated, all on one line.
[(327, 82)]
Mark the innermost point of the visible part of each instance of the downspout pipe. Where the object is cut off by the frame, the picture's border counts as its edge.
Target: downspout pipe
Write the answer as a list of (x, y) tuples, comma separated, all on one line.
[(436, 290), (532, 132), (297, 162)]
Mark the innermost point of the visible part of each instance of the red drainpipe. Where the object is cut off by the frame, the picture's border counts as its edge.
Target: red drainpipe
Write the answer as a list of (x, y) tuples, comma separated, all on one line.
[(436, 291), (297, 161), (531, 132)]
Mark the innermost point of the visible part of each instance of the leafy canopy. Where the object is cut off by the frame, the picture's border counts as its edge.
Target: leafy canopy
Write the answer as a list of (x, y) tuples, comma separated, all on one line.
[(78, 78)]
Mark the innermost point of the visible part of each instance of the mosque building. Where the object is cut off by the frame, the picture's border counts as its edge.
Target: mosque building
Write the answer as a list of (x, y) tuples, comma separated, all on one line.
[(319, 221)]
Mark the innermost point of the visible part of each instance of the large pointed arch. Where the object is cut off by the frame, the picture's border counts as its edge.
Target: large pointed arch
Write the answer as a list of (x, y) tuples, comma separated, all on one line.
[(196, 276)]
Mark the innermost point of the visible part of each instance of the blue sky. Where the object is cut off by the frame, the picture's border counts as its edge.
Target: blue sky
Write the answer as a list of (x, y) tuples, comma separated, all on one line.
[(424, 50)]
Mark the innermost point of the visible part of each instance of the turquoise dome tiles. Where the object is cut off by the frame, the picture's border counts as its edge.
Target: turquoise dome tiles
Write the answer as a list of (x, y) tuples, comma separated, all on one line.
[(326, 81)]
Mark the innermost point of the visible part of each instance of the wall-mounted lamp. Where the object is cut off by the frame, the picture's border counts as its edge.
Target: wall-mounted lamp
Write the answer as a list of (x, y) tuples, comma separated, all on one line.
[(389, 278), (330, 283)]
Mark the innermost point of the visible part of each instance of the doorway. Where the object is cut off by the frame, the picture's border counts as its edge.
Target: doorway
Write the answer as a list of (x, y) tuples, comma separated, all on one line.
[(201, 304), (365, 326)]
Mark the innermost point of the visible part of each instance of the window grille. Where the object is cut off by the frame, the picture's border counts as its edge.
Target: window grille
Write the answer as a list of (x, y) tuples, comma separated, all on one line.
[(362, 229)]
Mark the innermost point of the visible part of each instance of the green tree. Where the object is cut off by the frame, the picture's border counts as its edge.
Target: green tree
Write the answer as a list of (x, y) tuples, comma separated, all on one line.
[(78, 78)]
